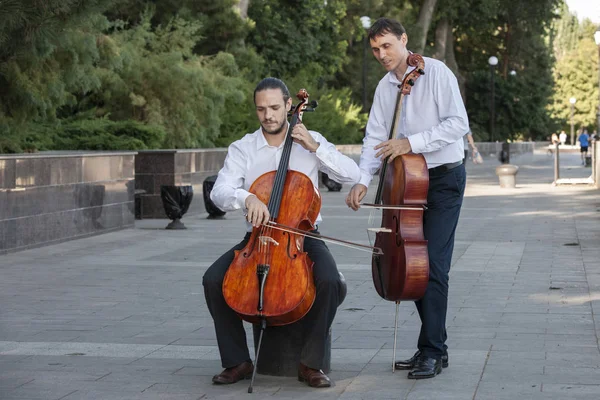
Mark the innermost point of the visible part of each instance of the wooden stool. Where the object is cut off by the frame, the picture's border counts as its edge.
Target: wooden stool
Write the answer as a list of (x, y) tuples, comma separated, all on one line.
[(282, 345)]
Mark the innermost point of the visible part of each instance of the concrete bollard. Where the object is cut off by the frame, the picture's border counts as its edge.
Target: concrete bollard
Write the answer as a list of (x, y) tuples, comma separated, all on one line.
[(507, 174)]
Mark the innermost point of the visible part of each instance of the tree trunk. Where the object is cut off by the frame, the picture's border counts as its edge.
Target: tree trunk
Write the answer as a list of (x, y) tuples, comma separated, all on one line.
[(243, 7), (425, 15), (441, 39), (452, 64)]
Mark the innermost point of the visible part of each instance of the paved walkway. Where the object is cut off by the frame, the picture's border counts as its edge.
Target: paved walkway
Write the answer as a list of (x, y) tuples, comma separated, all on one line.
[(122, 315)]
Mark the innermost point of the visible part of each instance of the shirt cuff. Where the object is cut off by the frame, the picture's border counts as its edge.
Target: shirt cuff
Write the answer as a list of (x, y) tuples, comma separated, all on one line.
[(241, 195), (417, 143), (365, 179), (321, 152)]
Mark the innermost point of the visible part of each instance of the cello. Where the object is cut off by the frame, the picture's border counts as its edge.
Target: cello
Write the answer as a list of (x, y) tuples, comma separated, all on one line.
[(402, 271)]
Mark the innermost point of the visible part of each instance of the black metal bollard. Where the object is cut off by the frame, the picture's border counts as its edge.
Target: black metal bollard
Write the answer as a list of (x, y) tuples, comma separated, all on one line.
[(504, 156), (213, 211), (176, 201), (332, 185)]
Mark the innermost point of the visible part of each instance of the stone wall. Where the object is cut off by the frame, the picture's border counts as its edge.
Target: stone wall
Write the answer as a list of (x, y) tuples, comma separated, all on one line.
[(50, 197), (154, 168)]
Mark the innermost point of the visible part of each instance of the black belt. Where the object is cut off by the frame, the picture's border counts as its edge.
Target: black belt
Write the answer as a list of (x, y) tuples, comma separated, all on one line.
[(442, 169)]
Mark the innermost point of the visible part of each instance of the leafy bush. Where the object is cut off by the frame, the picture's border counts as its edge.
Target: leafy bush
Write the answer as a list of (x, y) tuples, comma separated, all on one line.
[(336, 118), (97, 134)]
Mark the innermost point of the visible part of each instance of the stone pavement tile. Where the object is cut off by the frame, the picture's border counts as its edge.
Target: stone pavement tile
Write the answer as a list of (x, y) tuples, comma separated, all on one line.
[(519, 372), (40, 391), (25, 348), (57, 335), (508, 390), (363, 339), (89, 349), (9, 382), (339, 356), (373, 385), (505, 357), (571, 375), (124, 395), (568, 391), (181, 352), (100, 365), (590, 359)]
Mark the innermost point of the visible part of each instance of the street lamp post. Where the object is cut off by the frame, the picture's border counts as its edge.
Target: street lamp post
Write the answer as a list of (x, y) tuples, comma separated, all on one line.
[(597, 39), (572, 100), (366, 24), (493, 61)]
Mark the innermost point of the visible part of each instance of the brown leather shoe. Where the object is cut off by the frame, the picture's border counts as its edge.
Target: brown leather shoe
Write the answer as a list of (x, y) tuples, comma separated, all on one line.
[(314, 377), (234, 374)]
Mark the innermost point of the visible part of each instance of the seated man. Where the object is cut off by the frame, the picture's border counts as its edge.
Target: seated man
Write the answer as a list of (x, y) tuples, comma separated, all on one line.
[(247, 159)]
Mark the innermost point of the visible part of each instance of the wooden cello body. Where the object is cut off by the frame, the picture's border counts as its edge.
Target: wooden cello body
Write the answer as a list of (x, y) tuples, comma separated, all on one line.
[(289, 289), (402, 272)]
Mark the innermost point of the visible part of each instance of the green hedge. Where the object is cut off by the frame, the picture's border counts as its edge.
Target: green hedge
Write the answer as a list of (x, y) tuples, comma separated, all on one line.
[(96, 134)]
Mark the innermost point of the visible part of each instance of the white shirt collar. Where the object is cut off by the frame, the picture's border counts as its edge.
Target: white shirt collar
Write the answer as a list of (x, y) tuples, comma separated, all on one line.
[(261, 141)]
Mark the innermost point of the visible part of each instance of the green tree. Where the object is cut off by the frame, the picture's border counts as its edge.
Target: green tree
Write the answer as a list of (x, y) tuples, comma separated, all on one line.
[(517, 35), (575, 72), (291, 34), (47, 51)]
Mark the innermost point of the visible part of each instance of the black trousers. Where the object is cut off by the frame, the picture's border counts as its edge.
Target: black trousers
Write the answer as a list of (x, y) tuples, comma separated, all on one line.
[(444, 201), (231, 336)]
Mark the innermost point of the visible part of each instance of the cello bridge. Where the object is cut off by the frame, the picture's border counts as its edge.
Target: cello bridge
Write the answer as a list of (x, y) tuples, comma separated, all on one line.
[(267, 239)]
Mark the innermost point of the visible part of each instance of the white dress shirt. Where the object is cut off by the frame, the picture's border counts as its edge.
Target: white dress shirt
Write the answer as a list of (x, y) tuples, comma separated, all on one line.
[(433, 119), (251, 156)]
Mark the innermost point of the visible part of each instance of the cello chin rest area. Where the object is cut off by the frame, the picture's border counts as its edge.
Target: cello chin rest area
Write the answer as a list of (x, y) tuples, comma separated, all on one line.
[(384, 230)]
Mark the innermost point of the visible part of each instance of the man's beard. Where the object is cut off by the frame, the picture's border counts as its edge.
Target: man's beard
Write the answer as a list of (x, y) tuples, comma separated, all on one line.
[(274, 131)]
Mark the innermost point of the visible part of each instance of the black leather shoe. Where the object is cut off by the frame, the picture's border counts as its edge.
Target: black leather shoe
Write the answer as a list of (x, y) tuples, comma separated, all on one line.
[(427, 367), (411, 362), (234, 374)]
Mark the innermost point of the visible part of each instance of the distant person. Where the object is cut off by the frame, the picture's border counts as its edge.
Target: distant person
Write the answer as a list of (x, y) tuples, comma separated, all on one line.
[(584, 143), (562, 137), (554, 139), (469, 142), (594, 135)]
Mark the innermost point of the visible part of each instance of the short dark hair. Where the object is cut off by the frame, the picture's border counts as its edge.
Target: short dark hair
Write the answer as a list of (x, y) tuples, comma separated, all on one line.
[(386, 25), (272, 83)]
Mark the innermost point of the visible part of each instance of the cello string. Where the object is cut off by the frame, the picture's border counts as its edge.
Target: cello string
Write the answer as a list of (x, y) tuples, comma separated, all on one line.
[(383, 169)]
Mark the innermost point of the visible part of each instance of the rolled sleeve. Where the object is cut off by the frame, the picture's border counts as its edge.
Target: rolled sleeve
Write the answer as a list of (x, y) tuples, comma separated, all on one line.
[(375, 134), (338, 166), (228, 193), (417, 143)]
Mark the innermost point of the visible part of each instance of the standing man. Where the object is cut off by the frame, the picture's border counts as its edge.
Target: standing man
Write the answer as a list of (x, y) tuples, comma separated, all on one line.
[(433, 123), (247, 159)]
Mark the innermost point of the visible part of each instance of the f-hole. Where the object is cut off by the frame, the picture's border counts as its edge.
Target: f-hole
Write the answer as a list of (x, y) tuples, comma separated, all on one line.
[(289, 246), (397, 230), (251, 249)]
